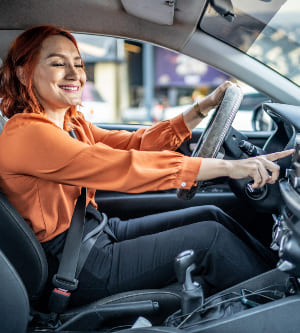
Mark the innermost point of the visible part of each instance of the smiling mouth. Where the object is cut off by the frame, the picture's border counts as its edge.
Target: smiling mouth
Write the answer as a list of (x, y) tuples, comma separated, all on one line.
[(69, 88)]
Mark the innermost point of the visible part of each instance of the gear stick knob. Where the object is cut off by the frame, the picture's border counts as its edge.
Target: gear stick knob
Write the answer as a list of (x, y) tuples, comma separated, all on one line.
[(192, 296), (184, 265)]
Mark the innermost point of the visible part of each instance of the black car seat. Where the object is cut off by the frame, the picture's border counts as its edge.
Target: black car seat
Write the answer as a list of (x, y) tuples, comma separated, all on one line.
[(14, 311), (23, 250)]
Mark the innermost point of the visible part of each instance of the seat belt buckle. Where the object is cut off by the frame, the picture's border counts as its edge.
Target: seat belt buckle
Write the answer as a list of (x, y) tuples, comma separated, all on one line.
[(60, 296), (59, 300), (64, 284)]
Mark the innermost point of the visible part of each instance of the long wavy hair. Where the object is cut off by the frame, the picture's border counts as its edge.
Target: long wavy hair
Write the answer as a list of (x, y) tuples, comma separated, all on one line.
[(24, 52)]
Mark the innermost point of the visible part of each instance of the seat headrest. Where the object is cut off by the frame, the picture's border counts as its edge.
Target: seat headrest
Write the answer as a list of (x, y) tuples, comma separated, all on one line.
[(22, 248), (14, 310)]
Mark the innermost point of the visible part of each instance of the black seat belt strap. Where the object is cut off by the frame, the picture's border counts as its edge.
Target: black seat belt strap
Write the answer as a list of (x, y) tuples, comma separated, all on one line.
[(68, 263), (65, 280)]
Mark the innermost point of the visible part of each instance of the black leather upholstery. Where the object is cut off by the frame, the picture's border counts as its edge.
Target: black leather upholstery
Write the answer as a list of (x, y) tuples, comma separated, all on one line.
[(23, 250), (14, 313), (21, 247), (92, 316)]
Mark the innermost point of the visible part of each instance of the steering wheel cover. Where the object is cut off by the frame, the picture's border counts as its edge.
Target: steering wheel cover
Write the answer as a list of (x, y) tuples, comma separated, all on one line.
[(214, 135)]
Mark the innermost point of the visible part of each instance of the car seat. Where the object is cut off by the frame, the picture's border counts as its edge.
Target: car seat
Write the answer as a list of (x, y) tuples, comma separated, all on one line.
[(15, 309), (20, 245)]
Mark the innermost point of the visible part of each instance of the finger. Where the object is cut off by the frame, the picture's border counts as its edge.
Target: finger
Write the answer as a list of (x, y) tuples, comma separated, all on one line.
[(257, 177), (256, 180), (272, 167), (275, 169), (223, 89), (263, 174), (228, 84), (270, 180), (280, 154)]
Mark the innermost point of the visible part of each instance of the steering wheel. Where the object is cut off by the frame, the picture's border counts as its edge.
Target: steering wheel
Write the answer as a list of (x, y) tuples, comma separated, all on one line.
[(214, 134)]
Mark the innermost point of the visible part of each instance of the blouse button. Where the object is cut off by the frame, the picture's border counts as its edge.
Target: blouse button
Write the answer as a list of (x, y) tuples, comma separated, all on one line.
[(183, 184)]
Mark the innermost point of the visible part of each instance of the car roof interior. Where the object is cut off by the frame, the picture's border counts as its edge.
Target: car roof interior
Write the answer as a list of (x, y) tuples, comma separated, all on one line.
[(97, 18), (176, 27)]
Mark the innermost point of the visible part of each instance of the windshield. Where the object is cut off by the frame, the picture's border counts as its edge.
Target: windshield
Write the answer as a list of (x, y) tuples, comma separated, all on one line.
[(268, 31)]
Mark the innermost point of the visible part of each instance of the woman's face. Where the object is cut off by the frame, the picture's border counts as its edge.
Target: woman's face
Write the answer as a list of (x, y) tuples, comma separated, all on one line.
[(58, 77)]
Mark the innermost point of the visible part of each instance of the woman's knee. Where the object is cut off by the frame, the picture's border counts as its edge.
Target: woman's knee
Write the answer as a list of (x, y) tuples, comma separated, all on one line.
[(206, 234), (215, 210), (214, 231), (208, 213)]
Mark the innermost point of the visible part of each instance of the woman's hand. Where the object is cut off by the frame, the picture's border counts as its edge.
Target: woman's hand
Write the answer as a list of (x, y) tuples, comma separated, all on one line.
[(261, 169), (212, 100), (198, 111)]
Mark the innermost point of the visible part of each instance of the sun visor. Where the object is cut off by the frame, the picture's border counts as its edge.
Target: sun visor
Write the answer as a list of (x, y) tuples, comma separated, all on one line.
[(156, 11)]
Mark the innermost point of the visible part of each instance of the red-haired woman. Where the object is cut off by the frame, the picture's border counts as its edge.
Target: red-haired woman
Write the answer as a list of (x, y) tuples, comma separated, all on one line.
[(41, 82)]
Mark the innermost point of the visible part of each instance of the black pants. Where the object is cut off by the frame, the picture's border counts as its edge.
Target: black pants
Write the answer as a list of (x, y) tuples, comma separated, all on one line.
[(141, 253)]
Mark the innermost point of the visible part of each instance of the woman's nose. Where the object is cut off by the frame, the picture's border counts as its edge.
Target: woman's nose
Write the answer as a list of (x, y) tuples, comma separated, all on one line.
[(73, 72)]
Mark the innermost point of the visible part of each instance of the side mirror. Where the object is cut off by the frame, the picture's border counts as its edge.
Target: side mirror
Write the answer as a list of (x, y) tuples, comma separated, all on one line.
[(261, 121)]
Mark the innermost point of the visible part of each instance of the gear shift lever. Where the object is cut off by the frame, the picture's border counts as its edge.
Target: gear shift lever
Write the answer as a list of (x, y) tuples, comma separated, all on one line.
[(184, 265), (192, 291)]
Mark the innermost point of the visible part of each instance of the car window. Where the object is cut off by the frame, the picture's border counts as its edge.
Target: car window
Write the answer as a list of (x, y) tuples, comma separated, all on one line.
[(138, 83), (268, 31)]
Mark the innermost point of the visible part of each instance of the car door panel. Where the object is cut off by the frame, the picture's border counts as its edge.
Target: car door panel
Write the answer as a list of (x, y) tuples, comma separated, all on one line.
[(127, 206)]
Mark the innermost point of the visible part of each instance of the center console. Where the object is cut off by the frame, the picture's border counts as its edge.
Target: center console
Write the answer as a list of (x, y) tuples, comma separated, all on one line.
[(269, 302)]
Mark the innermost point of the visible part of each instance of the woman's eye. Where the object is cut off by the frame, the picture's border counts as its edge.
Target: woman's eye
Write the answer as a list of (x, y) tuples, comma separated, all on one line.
[(57, 64), (61, 64)]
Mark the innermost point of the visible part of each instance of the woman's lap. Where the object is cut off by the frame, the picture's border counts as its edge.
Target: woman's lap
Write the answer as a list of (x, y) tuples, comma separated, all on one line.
[(159, 222), (143, 256)]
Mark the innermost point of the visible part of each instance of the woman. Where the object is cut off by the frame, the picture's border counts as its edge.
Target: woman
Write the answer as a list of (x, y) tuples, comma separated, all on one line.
[(41, 82)]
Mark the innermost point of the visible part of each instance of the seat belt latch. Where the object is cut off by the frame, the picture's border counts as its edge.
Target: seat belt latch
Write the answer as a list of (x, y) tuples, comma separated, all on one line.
[(60, 296), (59, 300), (64, 284)]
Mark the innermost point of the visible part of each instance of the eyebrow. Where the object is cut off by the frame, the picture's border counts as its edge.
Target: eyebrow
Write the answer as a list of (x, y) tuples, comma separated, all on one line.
[(61, 56)]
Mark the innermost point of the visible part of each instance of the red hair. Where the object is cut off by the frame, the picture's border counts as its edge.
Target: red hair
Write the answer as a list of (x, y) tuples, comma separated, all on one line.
[(24, 52)]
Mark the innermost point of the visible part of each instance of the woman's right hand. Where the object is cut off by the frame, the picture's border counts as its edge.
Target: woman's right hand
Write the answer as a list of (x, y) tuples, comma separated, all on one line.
[(261, 169)]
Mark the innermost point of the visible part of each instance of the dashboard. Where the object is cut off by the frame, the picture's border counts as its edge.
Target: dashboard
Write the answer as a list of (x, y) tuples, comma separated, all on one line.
[(286, 119), (286, 229)]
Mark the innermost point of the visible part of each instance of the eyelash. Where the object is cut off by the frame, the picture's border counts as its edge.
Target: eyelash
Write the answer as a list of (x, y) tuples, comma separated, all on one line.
[(61, 65)]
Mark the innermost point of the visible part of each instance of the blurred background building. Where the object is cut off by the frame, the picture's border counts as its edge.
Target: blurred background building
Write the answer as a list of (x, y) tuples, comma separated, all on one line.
[(129, 81)]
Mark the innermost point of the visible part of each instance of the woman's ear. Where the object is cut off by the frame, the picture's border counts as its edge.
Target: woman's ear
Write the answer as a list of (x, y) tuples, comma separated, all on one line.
[(21, 75)]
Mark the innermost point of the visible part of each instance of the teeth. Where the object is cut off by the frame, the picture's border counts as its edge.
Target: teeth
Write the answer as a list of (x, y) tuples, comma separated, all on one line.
[(69, 88)]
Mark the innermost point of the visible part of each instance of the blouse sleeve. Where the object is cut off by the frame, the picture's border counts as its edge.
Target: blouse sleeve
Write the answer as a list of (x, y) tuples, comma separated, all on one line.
[(165, 135), (45, 151)]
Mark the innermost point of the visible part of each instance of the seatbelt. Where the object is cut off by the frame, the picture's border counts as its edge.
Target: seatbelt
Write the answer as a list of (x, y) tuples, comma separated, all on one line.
[(65, 281)]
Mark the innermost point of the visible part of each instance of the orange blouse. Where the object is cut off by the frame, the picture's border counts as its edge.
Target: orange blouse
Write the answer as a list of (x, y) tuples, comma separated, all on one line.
[(42, 168)]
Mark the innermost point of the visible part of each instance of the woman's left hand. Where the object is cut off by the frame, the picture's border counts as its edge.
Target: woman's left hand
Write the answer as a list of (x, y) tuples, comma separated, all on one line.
[(199, 110), (212, 100)]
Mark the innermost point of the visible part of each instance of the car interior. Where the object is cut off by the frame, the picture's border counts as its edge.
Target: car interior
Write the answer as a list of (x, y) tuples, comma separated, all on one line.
[(207, 30)]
